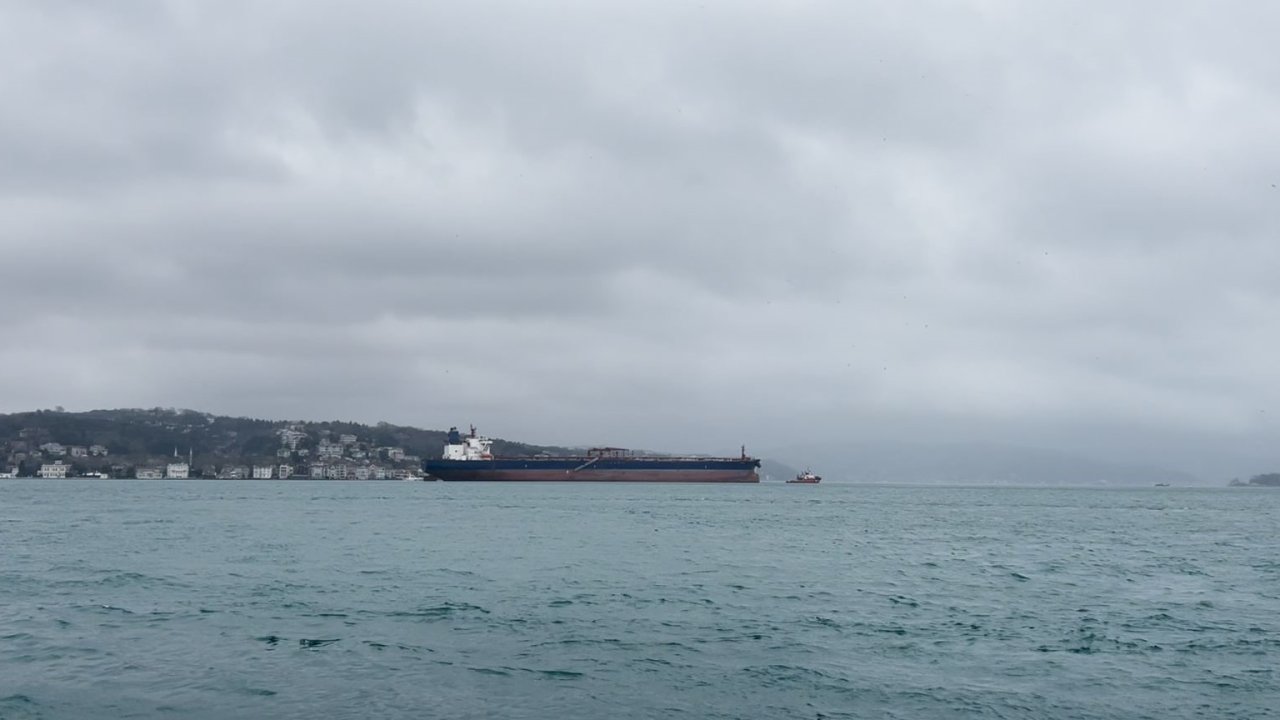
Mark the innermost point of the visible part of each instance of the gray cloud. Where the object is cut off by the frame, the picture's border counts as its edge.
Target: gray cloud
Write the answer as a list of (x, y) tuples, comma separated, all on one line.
[(679, 225)]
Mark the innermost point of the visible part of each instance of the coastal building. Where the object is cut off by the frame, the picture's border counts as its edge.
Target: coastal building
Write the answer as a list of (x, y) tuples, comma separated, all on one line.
[(53, 470), (335, 472), (262, 472), (290, 437), (177, 471), (329, 449), (148, 473), (317, 472), (363, 472), (284, 472), (7, 474), (54, 449)]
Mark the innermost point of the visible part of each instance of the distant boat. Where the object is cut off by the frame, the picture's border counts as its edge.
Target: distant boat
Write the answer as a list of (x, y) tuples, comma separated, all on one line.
[(805, 478), (1162, 484)]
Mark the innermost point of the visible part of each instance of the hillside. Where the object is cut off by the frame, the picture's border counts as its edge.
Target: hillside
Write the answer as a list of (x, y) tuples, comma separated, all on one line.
[(118, 442), (1263, 480), (964, 464)]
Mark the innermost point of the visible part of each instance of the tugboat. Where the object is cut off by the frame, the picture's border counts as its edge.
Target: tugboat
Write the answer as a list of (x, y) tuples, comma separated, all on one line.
[(805, 478)]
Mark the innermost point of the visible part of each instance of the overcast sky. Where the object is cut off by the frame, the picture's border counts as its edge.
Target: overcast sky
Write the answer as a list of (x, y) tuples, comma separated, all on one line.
[(675, 225)]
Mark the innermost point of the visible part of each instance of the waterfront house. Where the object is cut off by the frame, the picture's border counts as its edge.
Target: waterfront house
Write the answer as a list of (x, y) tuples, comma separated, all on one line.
[(53, 470)]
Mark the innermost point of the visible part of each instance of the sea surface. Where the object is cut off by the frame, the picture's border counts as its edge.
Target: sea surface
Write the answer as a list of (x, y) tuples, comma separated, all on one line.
[(280, 599)]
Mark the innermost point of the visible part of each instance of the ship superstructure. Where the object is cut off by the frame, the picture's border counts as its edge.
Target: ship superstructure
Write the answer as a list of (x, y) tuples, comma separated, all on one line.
[(471, 447)]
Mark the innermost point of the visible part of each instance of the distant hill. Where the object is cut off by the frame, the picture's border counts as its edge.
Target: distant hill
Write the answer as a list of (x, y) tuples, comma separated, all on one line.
[(774, 471), (131, 437), (1264, 480), (972, 464), (124, 439)]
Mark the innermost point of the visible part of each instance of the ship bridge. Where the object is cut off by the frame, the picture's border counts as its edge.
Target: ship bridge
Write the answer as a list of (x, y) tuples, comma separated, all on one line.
[(471, 447)]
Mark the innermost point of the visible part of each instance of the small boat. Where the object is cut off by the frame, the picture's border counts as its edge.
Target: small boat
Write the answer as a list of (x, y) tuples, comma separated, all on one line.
[(805, 478)]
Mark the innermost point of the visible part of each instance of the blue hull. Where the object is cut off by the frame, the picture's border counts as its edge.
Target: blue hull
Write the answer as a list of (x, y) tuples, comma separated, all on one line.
[(585, 469)]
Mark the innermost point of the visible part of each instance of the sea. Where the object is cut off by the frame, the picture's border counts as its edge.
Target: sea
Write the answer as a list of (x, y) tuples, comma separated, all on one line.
[(301, 599)]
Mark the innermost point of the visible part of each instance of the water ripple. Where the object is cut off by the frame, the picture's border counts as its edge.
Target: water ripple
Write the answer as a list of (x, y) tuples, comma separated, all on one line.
[(303, 600)]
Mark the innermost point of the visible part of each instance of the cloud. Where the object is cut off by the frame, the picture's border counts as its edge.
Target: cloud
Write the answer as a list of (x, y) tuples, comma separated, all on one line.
[(648, 225)]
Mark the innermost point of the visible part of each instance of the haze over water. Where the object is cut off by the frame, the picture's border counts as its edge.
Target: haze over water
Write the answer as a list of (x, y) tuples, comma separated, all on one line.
[(398, 600)]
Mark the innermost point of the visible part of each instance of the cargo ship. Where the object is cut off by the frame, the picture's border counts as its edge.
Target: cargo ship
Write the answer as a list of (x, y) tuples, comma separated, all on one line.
[(470, 458)]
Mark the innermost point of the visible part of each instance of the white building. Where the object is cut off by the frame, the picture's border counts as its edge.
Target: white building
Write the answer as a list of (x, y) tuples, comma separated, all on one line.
[(335, 472), (177, 471), (78, 451), (347, 439), (395, 453), (7, 473), (362, 473), (98, 450), (262, 472), (317, 472), (148, 473), (284, 472), (53, 470), (291, 438), (329, 449), (53, 448)]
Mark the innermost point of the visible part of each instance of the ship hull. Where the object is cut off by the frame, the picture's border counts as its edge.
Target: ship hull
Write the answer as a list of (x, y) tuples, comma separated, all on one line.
[(587, 470)]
